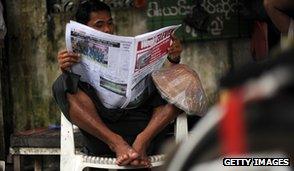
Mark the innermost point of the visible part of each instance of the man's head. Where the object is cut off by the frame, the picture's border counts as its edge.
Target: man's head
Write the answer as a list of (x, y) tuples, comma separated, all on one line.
[(95, 14)]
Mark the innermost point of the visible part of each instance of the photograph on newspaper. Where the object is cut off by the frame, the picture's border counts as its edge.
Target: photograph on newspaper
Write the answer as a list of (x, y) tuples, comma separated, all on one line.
[(114, 87)]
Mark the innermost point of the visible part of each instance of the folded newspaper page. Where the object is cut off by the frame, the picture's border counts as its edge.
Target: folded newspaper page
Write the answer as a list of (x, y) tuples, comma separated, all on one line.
[(118, 67)]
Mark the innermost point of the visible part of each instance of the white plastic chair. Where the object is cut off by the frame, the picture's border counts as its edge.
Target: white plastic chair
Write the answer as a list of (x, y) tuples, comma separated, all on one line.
[(70, 160)]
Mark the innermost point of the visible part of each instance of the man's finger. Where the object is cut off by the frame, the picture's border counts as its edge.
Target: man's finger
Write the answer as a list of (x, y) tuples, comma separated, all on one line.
[(62, 52), (69, 59), (66, 65), (70, 54), (173, 37), (124, 160), (171, 51), (67, 55), (175, 46)]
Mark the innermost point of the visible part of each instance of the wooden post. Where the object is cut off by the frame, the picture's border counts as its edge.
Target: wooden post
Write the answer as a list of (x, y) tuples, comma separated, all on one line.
[(2, 144), (38, 163), (6, 114), (16, 162)]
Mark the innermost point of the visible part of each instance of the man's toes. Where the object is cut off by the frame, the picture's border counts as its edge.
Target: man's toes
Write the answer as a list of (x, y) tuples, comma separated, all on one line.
[(126, 160), (118, 160), (145, 162), (135, 162), (121, 159), (133, 155)]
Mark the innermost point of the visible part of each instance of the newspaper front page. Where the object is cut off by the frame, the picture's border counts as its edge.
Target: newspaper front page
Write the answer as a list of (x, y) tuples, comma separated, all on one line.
[(118, 67)]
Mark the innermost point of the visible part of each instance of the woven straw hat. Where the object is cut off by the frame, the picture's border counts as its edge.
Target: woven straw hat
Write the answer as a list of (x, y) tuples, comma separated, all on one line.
[(181, 86)]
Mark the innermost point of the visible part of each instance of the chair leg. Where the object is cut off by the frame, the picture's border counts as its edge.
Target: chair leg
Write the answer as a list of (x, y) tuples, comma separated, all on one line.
[(38, 163), (70, 163), (2, 165), (181, 127), (16, 162)]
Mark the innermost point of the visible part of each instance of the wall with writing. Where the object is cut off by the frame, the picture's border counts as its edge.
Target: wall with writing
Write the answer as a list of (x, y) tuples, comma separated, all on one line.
[(200, 19)]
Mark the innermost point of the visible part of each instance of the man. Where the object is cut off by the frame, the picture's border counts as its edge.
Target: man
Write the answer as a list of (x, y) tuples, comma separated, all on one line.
[(127, 132), (277, 11)]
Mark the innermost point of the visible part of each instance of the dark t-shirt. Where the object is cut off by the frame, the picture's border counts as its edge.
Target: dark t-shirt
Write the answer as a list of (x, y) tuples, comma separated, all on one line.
[(126, 122)]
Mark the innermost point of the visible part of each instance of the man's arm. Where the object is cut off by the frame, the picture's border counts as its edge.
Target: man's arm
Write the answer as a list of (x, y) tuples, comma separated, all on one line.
[(275, 9), (83, 113)]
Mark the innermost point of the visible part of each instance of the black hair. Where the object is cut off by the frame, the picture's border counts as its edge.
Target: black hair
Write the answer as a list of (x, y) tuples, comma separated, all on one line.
[(85, 8)]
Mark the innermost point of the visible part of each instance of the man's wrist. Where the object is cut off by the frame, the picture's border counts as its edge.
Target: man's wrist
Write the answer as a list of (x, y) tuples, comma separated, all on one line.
[(174, 61)]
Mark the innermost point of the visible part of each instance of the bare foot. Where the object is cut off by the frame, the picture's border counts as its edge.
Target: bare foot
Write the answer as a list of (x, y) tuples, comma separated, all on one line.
[(124, 153), (140, 145)]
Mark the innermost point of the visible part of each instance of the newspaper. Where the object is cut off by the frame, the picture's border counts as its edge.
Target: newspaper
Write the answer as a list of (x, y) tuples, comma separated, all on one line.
[(118, 67)]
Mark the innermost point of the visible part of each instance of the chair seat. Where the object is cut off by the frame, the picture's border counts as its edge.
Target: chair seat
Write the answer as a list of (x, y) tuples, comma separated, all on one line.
[(108, 162), (70, 160)]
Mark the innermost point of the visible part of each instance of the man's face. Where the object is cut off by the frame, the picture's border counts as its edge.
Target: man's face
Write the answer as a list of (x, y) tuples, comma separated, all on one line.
[(102, 21)]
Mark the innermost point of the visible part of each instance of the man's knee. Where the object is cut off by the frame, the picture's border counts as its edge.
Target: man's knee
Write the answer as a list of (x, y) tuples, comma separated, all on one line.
[(78, 96), (268, 4), (277, 4), (80, 100), (61, 93)]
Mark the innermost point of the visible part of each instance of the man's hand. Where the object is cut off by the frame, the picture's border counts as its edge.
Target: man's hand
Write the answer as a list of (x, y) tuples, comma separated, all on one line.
[(175, 50), (67, 59)]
